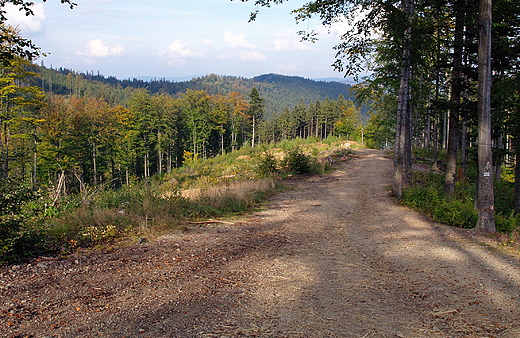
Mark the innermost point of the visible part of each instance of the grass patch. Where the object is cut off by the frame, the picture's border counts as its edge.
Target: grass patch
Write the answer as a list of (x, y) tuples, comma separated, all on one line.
[(223, 186), (426, 194)]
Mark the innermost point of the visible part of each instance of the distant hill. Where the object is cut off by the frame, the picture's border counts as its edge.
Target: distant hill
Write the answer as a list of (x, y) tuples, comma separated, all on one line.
[(348, 80), (279, 91)]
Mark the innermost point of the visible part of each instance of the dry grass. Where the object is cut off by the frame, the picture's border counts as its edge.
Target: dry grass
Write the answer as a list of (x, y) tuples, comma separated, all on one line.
[(238, 189)]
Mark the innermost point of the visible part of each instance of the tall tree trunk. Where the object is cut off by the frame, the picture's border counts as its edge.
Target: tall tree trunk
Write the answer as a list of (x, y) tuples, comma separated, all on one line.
[(500, 156), (7, 138), (2, 152), (456, 89), (464, 146), (427, 132), (435, 165), (35, 161), (95, 165), (253, 138), (445, 130), (408, 142), (169, 158), (222, 140), (485, 197), (517, 175), (402, 108), (159, 152), (114, 177)]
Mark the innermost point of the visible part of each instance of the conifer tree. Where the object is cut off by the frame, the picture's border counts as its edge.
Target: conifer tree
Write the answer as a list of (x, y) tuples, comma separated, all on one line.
[(255, 111)]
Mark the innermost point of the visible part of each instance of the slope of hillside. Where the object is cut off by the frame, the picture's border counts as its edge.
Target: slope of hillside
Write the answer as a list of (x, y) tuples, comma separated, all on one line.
[(279, 91)]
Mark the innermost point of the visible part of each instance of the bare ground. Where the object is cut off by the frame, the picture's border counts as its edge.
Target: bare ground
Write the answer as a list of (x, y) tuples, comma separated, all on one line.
[(333, 257)]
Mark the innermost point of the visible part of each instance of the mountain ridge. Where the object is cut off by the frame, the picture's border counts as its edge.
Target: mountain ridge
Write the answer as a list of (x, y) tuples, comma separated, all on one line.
[(279, 91)]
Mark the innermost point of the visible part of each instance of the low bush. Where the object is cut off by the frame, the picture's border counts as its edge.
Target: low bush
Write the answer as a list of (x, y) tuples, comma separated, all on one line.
[(17, 205), (426, 193), (296, 162), (267, 165)]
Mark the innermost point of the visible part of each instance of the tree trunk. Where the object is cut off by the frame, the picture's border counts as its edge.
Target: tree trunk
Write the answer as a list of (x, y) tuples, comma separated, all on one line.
[(6, 153), (35, 159), (169, 158), (485, 197), (427, 136), (464, 146), (402, 108), (517, 176), (408, 158), (456, 89), (500, 156), (222, 140), (94, 159), (114, 178), (159, 152)]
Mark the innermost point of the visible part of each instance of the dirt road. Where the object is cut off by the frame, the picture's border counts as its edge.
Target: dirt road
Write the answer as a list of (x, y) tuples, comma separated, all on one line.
[(334, 256)]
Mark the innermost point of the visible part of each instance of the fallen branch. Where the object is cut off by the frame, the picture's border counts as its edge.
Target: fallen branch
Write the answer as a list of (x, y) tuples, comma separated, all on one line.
[(212, 221), (443, 313), (228, 291)]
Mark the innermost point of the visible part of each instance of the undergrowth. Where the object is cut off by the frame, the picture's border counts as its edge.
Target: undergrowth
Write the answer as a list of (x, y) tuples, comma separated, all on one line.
[(426, 193), (227, 185)]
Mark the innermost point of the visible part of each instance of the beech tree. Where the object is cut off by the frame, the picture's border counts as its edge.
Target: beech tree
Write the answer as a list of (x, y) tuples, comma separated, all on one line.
[(485, 197), (18, 98)]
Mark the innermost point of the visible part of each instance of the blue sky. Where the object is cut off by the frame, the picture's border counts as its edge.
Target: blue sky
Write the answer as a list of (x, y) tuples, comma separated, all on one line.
[(160, 38)]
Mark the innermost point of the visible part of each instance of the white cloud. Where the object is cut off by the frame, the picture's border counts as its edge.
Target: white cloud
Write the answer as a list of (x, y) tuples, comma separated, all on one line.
[(31, 23), (206, 42), (178, 50), (338, 28), (252, 55), (100, 49), (288, 41), (238, 40), (246, 55)]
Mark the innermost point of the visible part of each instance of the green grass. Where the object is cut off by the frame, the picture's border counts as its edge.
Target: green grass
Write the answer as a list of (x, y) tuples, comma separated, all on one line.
[(221, 187), (426, 194)]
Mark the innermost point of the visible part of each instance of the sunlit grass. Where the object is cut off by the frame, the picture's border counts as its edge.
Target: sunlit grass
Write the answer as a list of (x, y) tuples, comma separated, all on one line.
[(225, 186)]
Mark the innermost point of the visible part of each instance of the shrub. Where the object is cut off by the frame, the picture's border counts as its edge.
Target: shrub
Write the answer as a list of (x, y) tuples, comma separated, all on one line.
[(15, 209), (267, 165), (296, 162), (426, 193)]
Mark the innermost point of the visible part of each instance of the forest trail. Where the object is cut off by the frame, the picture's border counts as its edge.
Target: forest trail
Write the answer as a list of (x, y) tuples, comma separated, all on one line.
[(334, 256)]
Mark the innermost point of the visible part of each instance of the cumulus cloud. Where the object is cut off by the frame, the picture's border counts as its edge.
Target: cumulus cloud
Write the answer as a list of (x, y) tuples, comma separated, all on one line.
[(246, 51), (178, 50), (338, 28), (31, 23), (238, 40), (100, 49), (288, 41), (252, 55)]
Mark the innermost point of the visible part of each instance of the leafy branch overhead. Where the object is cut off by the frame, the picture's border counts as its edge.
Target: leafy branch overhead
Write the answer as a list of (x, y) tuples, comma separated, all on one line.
[(13, 44)]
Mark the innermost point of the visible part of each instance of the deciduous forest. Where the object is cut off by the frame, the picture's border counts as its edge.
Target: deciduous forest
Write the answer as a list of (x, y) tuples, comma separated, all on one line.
[(94, 132), (443, 90)]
